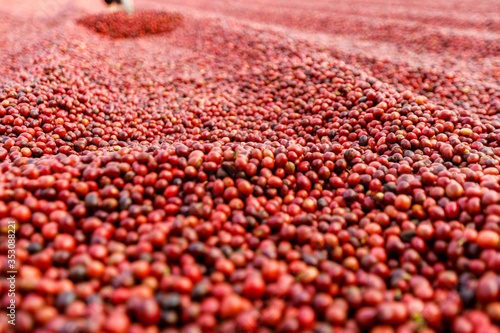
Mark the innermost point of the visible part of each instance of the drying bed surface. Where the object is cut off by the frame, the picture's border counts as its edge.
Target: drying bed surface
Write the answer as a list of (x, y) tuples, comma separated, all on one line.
[(264, 167)]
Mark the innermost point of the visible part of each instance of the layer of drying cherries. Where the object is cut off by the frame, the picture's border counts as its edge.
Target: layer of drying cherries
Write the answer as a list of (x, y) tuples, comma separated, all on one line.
[(228, 179)]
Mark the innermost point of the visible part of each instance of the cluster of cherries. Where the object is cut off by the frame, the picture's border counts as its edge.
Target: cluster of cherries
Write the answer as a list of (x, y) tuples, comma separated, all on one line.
[(232, 180)]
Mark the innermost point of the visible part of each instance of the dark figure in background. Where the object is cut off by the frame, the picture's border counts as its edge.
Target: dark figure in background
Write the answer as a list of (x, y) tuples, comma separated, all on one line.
[(126, 5)]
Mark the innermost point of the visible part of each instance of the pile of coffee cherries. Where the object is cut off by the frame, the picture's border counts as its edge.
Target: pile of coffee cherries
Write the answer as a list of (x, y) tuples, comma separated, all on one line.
[(122, 25), (230, 179)]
